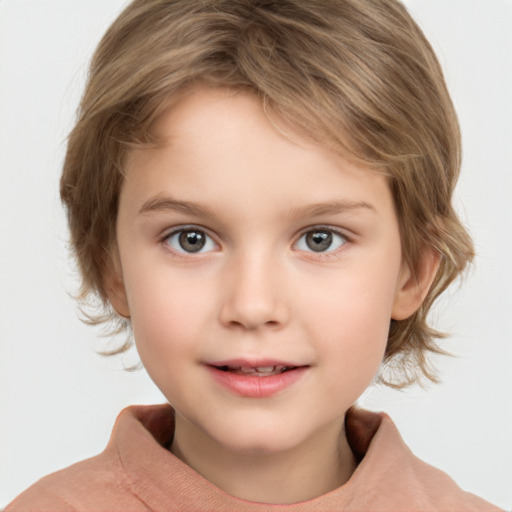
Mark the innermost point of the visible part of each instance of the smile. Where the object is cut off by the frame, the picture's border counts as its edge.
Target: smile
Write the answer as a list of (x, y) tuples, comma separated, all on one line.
[(260, 371), (260, 380)]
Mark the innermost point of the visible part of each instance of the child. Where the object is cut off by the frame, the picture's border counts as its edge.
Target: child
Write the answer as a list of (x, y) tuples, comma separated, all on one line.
[(261, 193)]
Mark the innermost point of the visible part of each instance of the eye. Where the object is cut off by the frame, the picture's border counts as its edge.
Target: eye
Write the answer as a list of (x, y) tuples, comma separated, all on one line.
[(320, 240), (190, 241)]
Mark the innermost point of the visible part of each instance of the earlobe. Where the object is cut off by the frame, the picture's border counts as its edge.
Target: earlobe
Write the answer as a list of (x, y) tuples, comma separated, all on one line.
[(413, 287)]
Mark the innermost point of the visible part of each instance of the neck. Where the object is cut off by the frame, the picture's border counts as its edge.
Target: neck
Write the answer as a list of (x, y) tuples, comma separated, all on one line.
[(317, 466)]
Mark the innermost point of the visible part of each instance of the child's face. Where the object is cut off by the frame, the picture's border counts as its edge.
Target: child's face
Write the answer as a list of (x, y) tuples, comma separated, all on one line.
[(242, 247)]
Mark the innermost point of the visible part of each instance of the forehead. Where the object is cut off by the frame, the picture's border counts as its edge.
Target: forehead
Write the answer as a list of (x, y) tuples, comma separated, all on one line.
[(208, 111), (220, 144)]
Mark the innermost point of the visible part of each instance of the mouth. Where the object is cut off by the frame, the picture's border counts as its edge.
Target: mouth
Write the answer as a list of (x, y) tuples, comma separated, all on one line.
[(256, 379), (256, 371)]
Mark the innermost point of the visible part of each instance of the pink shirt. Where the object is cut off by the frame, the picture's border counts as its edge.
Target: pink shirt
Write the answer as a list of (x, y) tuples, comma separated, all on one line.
[(137, 473)]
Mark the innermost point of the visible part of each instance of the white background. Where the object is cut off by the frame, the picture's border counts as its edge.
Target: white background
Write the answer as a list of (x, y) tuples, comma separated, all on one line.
[(58, 399)]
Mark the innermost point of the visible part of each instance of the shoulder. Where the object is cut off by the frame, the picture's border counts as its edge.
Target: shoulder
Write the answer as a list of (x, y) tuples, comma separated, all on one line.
[(92, 484), (102, 482), (394, 478)]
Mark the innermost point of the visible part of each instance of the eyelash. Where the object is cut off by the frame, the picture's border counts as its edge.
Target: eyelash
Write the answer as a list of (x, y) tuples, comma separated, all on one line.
[(329, 253), (184, 229), (209, 240)]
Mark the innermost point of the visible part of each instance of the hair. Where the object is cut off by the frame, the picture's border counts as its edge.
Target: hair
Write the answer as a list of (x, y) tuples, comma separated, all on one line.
[(358, 76)]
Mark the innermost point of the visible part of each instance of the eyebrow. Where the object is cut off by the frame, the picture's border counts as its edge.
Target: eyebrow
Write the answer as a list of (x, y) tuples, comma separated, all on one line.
[(167, 204), (331, 207)]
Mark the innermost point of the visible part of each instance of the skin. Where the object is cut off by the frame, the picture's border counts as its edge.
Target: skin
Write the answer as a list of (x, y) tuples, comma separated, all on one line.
[(257, 290)]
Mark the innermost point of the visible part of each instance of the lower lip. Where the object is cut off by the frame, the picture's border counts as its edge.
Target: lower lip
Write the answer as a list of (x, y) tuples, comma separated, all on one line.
[(257, 387)]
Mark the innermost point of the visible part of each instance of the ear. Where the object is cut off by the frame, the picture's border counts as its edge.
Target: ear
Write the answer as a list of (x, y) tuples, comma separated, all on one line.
[(412, 287), (114, 285)]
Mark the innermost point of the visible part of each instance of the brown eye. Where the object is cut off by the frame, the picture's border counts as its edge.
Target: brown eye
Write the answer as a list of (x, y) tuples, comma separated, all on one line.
[(190, 241), (320, 240)]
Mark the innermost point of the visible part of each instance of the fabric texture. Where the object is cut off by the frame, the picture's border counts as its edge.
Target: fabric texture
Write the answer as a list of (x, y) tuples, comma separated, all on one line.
[(136, 472)]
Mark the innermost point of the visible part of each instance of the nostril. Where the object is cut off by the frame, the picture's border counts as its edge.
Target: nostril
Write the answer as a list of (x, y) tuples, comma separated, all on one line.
[(251, 311)]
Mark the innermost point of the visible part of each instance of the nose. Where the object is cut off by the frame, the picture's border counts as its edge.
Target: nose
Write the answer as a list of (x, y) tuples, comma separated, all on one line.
[(254, 294)]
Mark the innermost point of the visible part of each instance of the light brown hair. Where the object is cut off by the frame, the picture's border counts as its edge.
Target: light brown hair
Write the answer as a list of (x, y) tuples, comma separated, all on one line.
[(356, 75)]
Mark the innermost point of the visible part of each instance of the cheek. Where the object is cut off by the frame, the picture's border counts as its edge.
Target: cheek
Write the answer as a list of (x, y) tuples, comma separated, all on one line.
[(165, 317), (350, 316), (357, 298), (166, 327), (354, 355)]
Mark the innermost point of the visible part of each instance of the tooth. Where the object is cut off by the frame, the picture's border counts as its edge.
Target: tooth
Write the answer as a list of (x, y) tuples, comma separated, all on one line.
[(259, 371), (247, 369), (265, 369)]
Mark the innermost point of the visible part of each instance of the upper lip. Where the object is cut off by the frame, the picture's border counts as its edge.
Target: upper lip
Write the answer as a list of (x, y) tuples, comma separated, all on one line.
[(253, 363)]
